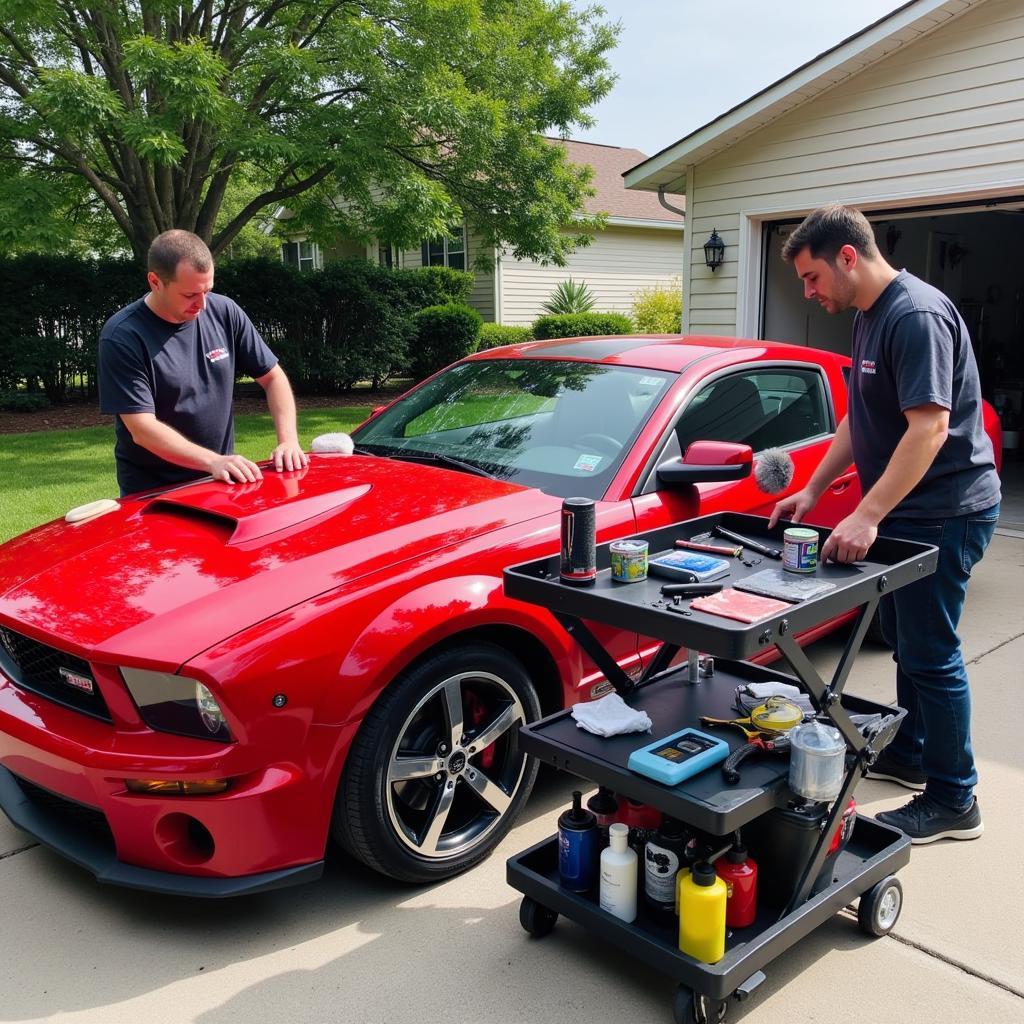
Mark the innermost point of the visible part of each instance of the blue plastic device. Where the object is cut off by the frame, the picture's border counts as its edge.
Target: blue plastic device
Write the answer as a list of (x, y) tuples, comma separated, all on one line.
[(679, 756)]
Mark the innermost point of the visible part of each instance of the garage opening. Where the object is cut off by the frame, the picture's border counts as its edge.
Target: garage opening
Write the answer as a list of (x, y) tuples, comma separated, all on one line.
[(974, 254)]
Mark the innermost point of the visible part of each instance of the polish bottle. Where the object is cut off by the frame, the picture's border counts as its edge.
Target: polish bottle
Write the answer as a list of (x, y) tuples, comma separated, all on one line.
[(577, 846), (603, 806), (702, 896), (739, 872), (664, 855), (618, 874)]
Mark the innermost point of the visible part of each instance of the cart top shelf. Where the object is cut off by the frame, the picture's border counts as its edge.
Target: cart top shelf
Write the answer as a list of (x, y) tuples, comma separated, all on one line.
[(641, 607)]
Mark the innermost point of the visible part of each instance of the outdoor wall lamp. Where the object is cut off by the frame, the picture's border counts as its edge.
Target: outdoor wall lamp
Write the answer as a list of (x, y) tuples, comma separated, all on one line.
[(714, 250)]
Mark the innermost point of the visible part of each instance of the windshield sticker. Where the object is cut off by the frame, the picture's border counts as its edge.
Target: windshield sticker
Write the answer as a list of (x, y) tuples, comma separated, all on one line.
[(652, 382), (588, 463)]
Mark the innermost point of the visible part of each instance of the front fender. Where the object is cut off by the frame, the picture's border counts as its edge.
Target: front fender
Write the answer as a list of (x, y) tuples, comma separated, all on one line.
[(424, 618)]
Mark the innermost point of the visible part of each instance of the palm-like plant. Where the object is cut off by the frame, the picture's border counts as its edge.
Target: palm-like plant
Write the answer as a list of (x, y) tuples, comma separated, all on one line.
[(570, 297)]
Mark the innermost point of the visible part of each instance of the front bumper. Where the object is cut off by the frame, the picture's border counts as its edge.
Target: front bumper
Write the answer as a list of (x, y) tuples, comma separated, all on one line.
[(86, 847), (62, 780)]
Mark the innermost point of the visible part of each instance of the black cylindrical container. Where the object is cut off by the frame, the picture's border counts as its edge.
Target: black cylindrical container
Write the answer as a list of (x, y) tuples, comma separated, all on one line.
[(782, 842), (579, 545), (664, 855)]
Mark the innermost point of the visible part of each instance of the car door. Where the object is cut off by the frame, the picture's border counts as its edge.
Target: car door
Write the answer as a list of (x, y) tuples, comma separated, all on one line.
[(783, 405)]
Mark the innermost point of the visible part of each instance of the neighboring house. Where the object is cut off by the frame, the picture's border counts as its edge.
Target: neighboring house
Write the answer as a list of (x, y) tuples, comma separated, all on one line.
[(641, 247), (919, 121)]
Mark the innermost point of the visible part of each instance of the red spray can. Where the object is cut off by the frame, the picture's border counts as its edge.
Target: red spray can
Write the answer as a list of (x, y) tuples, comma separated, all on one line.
[(739, 873)]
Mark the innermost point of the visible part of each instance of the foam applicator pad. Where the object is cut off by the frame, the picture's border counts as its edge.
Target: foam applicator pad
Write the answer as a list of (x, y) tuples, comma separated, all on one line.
[(336, 444)]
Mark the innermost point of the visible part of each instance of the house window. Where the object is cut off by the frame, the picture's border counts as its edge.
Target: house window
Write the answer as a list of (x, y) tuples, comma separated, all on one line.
[(304, 255), (446, 252)]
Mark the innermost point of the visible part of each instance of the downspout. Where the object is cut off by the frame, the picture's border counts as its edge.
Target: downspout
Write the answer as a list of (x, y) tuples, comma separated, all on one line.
[(668, 206), (682, 213)]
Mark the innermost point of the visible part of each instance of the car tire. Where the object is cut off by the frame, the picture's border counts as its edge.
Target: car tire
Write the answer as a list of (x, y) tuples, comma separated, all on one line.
[(435, 777)]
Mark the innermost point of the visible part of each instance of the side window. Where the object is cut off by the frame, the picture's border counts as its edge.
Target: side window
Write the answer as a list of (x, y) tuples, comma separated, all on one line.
[(764, 408)]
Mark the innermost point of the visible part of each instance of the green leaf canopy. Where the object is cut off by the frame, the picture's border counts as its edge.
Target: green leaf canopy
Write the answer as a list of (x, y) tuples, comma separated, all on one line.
[(385, 119)]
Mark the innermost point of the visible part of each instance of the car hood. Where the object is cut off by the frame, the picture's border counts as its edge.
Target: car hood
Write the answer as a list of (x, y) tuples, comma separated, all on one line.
[(164, 577)]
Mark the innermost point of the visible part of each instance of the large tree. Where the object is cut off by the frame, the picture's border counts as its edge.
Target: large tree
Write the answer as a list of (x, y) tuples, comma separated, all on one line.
[(381, 118)]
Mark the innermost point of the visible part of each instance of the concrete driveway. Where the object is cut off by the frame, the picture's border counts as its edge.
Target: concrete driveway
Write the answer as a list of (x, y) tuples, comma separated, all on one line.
[(357, 948)]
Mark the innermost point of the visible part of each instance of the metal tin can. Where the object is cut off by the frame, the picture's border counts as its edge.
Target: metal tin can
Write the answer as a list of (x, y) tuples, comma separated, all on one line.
[(800, 549), (629, 560), (578, 561)]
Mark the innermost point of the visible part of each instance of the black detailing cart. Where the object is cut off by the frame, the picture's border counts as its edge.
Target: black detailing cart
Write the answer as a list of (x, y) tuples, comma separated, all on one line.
[(675, 698)]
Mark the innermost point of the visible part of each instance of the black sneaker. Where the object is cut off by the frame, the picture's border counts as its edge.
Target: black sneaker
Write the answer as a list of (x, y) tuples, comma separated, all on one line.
[(924, 820), (885, 767)]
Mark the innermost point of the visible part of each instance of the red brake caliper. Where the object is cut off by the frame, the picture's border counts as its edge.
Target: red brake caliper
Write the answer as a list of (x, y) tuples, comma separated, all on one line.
[(476, 711)]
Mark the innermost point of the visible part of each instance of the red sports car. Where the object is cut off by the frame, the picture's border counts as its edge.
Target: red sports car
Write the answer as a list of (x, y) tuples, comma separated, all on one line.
[(203, 685)]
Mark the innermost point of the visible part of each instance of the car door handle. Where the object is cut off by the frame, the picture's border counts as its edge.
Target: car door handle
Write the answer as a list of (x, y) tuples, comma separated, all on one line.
[(840, 486)]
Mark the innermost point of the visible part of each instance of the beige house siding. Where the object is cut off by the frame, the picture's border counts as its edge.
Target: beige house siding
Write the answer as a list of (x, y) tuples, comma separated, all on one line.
[(619, 262), (481, 295), (941, 119)]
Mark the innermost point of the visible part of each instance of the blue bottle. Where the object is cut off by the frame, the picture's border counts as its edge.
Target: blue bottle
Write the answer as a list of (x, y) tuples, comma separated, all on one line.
[(577, 847)]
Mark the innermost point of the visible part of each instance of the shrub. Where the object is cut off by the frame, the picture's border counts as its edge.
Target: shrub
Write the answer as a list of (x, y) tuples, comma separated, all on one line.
[(581, 325), (443, 334), (23, 401), (434, 286), (494, 335), (659, 310), (570, 297)]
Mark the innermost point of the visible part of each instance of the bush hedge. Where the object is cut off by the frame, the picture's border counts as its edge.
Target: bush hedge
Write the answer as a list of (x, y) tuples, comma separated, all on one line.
[(353, 321), (581, 325), (443, 334), (495, 335)]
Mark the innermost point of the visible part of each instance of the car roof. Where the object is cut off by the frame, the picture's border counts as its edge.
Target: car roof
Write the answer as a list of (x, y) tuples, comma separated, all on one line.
[(671, 352)]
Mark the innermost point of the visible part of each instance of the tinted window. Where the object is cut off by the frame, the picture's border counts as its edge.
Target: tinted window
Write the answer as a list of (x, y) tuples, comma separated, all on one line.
[(765, 408)]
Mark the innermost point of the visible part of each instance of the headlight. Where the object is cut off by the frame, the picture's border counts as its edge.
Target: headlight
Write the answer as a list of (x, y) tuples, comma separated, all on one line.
[(176, 704)]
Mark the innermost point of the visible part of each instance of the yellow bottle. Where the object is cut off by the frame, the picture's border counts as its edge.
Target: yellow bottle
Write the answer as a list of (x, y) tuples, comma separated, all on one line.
[(702, 896)]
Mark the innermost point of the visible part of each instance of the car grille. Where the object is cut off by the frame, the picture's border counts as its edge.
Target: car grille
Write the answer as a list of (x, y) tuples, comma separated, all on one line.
[(83, 819), (33, 666)]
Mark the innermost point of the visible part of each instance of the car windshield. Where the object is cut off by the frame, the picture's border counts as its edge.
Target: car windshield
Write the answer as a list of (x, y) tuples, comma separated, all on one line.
[(563, 427)]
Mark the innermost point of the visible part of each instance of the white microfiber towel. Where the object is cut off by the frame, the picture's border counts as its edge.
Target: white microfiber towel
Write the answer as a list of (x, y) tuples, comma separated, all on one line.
[(610, 716)]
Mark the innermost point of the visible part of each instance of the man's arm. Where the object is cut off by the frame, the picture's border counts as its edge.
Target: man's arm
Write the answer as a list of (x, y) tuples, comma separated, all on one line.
[(288, 454), (836, 460), (927, 426), (166, 443)]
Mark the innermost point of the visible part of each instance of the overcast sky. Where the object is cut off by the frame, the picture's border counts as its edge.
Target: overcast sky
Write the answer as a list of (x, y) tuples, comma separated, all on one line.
[(682, 63)]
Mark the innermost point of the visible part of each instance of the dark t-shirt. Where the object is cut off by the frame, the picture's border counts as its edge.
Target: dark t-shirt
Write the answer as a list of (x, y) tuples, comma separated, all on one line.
[(912, 348), (182, 373)]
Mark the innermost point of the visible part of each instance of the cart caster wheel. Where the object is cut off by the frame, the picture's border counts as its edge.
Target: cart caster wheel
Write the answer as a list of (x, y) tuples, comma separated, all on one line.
[(691, 1008), (536, 919), (880, 907)]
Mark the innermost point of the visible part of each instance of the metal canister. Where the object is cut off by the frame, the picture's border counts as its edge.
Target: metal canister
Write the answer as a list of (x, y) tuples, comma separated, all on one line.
[(629, 560), (578, 564), (800, 549)]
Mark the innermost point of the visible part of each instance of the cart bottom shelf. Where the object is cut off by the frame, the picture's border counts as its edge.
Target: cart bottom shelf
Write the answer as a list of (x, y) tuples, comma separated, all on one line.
[(874, 851)]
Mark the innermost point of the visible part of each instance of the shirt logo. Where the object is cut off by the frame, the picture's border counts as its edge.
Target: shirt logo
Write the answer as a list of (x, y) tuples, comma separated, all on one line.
[(216, 354), (867, 366)]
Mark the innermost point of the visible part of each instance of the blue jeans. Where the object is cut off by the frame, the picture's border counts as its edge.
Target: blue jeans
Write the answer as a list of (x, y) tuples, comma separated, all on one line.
[(919, 621)]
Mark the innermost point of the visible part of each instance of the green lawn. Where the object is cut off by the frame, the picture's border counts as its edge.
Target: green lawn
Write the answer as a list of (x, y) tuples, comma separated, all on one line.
[(44, 474)]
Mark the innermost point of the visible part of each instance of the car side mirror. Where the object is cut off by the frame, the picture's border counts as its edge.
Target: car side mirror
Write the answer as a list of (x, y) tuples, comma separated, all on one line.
[(708, 462)]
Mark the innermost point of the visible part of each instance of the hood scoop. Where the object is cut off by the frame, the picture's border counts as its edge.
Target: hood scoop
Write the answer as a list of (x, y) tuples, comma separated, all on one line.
[(252, 514)]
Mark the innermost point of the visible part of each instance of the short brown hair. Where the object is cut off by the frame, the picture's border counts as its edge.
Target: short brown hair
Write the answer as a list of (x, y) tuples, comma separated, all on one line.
[(827, 230), (171, 247)]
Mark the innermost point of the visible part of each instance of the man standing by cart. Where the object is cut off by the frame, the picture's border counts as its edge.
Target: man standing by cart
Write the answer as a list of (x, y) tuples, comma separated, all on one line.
[(927, 472), (167, 366)]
